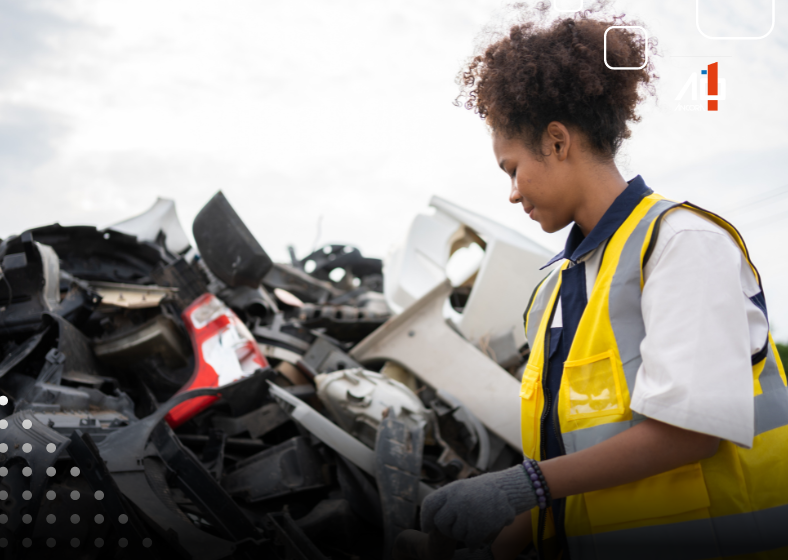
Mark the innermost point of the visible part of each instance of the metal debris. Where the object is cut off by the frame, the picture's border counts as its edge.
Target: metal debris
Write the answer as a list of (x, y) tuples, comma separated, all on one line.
[(173, 402)]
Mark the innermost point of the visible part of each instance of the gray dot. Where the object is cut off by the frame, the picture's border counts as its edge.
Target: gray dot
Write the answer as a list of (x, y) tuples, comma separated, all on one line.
[(3, 471), (51, 495), (122, 543), (3, 400), (3, 447), (3, 495), (74, 471), (99, 518), (3, 424), (75, 543), (74, 495), (51, 447), (26, 543), (99, 543), (99, 495), (3, 518), (27, 471), (51, 519), (27, 519), (27, 424), (27, 494), (51, 542), (147, 542), (51, 471), (123, 518), (75, 519), (3, 543)]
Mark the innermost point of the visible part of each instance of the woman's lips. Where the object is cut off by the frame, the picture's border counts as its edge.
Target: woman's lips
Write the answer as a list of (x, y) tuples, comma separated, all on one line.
[(529, 211)]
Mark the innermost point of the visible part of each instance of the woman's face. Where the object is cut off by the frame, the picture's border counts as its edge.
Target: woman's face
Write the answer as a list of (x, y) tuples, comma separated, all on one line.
[(541, 185)]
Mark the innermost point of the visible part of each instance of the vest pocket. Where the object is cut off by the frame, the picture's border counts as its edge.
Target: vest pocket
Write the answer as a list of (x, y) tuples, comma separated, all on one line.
[(593, 387), (663, 495), (530, 396)]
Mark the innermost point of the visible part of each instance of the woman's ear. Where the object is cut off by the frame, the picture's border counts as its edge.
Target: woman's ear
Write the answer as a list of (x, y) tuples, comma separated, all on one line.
[(558, 139)]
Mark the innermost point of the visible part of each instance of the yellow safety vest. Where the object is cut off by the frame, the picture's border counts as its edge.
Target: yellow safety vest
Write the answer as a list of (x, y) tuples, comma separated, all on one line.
[(734, 504)]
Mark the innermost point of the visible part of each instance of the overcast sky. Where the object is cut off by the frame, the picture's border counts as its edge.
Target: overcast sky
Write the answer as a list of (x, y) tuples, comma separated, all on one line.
[(341, 113)]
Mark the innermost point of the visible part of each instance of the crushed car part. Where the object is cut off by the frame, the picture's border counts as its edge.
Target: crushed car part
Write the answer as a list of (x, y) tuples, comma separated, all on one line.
[(157, 337), (331, 434), (300, 284), (284, 334), (256, 423), (510, 264), (30, 287), (159, 221), (227, 246), (182, 276), (224, 351), (422, 342), (290, 467), (324, 261), (95, 255), (398, 453), (359, 400), (324, 357), (130, 296)]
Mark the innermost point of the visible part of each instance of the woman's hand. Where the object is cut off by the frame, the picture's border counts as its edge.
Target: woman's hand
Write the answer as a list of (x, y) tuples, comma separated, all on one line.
[(475, 510)]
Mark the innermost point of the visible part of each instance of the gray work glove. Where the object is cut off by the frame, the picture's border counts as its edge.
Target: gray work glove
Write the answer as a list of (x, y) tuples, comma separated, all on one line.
[(475, 510)]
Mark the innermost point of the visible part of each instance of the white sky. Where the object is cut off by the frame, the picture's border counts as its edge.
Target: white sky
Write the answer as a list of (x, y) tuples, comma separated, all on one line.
[(343, 110)]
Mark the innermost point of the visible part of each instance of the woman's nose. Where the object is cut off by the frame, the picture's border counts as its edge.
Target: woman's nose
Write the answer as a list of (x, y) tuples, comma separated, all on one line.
[(515, 197)]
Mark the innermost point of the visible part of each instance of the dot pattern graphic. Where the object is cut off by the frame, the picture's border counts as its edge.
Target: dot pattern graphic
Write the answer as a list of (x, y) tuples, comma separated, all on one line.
[(3, 424), (51, 519), (3, 400), (27, 424)]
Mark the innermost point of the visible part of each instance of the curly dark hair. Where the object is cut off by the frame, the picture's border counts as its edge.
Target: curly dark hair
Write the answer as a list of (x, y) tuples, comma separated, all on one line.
[(555, 71)]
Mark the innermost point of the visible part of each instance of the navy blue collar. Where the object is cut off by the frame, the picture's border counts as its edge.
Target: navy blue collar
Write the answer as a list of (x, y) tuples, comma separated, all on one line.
[(577, 245)]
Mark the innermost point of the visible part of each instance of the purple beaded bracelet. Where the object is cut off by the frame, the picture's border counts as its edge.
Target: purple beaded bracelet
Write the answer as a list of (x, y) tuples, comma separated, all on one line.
[(534, 474)]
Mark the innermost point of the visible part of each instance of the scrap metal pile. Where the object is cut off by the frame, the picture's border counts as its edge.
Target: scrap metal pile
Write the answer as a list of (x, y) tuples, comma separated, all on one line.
[(208, 403)]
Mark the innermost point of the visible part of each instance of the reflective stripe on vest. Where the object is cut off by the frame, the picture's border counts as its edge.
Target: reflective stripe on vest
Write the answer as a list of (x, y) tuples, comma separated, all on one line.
[(729, 535)]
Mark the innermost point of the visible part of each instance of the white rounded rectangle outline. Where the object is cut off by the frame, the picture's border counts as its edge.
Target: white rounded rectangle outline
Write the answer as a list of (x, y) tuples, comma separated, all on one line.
[(697, 24), (555, 5), (604, 51)]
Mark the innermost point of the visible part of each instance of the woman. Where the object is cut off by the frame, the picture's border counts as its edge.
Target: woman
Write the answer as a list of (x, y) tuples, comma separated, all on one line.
[(654, 405)]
